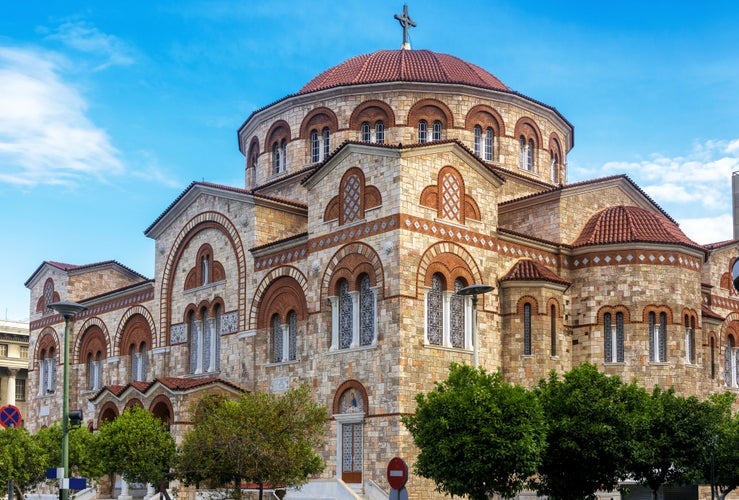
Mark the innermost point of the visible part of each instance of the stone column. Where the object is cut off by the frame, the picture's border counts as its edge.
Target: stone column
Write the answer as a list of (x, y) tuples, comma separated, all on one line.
[(10, 392)]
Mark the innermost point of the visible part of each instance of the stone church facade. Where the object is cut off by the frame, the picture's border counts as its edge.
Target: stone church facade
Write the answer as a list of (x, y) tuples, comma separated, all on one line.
[(372, 195)]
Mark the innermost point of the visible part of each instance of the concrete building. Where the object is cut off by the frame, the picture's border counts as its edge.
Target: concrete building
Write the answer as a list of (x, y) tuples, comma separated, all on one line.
[(14, 364), (371, 195)]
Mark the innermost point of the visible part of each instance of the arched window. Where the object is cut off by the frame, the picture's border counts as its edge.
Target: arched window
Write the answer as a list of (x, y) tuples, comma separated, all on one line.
[(489, 142), (94, 370), (366, 134), (554, 166), (380, 132), (279, 157), (277, 343), (292, 335), (367, 311), (527, 154), (657, 337), (205, 268), (138, 362), (284, 338), (553, 329), (451, 195), (477, 144), (326, 142), (315, 146), (423, 129), (689, 339), (527, 329), (195, 340), (346, 316), (437, 130), (730, 364), (447, 316), (47, 372), (614, 338), (713, 358)]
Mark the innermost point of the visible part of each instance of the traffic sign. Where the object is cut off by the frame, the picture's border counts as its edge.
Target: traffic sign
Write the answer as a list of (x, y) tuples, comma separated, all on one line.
[(397, 473), (10, 416)]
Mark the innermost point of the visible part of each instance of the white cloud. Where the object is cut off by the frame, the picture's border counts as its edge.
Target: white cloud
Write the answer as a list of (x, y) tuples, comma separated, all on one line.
[(45, 134), (705, 230), (82, 37)]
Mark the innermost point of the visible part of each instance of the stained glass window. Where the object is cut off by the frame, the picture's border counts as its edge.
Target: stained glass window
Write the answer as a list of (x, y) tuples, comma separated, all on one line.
[(48, 296), (346, 313), (456, 316), (434, 311), (352, 198), (292, 318), (367, 312)]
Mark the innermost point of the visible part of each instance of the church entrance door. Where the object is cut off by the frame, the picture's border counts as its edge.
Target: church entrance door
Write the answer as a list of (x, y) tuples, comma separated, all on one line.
[(351, 452)]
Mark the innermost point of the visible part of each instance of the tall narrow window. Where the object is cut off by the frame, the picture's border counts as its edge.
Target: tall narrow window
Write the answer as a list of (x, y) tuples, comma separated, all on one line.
[(730, 362), (522, 160), (292, 335), (277, 345), (47, 372), (477, 145), (195, 341), (451, 196), (326, 142), (489, 141), (457, 316), (423, 129), (315, 147), (530, 156), (366, 136), (205, 268), (367, 312), (553, 329), (554, 167), (434, 311), (346, 316), (713, 358), (689, 339), (437, 130), (380, 132), (657, 337), (614, 338), (527, 329)]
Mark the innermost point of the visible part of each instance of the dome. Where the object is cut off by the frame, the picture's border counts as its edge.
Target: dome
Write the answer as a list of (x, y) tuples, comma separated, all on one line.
[(405, 66), (622, 224)]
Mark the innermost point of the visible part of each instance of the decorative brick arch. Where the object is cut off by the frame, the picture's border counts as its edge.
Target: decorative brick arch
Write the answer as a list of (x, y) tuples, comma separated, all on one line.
[(135, 330), (92, 340), (613, 310), (530, 299), (657, 310), (48, 338), (354, 198), (730, 326), (283, 295), (430, 110), (271, 277), (159, 406), (278, 131), (354, 253), (448, 255), (201, 222), (108, 413), (48, 296), (318, 119), (345, 386), (372, 111), (90, 322), (485, 116), (528, 128), (449, 205), (133, 402), (135, 311), (557, 308)]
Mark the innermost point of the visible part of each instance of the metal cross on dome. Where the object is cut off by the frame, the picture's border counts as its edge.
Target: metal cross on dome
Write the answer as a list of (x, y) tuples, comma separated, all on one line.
[(406, 22)]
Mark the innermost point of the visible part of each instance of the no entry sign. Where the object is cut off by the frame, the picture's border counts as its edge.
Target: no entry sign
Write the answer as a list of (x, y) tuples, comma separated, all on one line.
[(397, 473), (10, 416)]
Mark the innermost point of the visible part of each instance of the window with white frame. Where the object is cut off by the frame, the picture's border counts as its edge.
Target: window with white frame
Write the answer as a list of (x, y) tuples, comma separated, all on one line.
[(354, 315), (613, 337), (94, 370), (690, 339), (284, 338), (380, 132), (477, 144), (730, 362), (436, 130), (447, 315), (423, 130), (365, 131), (47, 372), (489, 144), (527, 347), (554, 167), (527, 151), (657, 337), (204, 339), (279, 157), (138, 362)]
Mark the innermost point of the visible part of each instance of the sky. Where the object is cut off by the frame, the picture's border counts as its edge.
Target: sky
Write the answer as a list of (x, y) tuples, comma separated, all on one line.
[(109, 110)]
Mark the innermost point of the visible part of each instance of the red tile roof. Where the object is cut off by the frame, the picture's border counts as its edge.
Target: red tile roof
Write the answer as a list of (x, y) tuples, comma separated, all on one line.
[(404, 65), (528, 270), (706, 312), (624, 224)]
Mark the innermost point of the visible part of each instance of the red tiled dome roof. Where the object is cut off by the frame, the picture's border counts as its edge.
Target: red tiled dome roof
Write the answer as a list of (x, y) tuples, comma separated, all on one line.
[(406, 66), (624, 224), (528, 270)]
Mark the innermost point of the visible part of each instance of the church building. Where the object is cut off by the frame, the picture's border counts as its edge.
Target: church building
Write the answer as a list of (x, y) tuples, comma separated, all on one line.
[(372, 196)]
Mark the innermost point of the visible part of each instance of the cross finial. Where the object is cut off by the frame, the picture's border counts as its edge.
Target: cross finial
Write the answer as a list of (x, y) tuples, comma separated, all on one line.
[(406, 22)]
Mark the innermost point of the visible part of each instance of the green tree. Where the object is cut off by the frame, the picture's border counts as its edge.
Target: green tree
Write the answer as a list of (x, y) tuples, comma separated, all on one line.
[(723, 447), (261, 438), (674, 439), (21, 460), (593, 419), (477, 434), (82, 462), (137, 445)]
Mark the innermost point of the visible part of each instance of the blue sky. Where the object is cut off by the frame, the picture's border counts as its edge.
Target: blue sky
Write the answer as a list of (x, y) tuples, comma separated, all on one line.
[(108, 110)]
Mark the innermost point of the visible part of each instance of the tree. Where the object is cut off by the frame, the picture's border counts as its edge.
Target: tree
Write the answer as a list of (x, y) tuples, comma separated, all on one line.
[(593, 419), (259, 438), (477, 434), (675, 437), (137, 445), (722, 454), (21, 459), (82, 463)]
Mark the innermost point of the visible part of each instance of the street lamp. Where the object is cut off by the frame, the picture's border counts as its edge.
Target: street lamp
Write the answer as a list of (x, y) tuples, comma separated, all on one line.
[(66, 309), (474, 291)]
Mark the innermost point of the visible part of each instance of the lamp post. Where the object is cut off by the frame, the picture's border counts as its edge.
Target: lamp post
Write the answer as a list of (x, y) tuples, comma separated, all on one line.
[(474, 291), (66, 309)]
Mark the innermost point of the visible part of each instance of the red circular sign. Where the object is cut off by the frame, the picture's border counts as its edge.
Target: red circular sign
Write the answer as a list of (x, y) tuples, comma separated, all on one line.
[(397, 473), (10, 416)]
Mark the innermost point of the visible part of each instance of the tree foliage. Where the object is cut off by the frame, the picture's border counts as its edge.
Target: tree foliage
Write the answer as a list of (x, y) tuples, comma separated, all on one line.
[(593, 420), (21, 459), (722, 451), (137, 445), (260, 438), (477, 434), (82, 462)]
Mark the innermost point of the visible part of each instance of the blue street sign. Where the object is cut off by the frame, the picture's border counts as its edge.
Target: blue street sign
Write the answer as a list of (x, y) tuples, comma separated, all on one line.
[(74, 483), (10, 416), (55, 473)]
